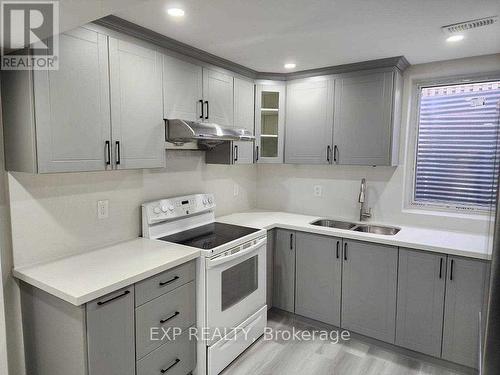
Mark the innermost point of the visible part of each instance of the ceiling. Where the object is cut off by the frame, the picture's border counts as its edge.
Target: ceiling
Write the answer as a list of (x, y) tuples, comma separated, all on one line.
[(264, 34)]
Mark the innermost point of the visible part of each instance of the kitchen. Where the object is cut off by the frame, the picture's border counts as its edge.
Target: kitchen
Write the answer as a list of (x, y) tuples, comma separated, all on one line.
[(88, 193)]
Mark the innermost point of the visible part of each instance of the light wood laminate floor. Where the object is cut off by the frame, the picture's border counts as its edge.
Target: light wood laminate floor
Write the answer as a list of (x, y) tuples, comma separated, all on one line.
[(320, 357)]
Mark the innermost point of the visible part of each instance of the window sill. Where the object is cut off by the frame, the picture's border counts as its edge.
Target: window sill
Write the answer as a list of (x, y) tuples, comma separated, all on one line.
[(484, 216)]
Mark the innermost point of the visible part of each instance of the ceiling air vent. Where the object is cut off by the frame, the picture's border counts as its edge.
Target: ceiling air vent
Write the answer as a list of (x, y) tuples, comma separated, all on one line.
[(468, 25)]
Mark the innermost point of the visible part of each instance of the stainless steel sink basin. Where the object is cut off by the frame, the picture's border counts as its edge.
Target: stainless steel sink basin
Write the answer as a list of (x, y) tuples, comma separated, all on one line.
[(334, 224), (366, 228), (377, 229)]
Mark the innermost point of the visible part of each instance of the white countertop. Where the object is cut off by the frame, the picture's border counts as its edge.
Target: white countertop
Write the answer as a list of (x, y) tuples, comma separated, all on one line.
[(447, 242), (84, 277)]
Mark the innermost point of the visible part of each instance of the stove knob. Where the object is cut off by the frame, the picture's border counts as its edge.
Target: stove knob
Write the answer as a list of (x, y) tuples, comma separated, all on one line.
[(210, 200), (171, 208), (156, 210), (205, 201), (164, 208)]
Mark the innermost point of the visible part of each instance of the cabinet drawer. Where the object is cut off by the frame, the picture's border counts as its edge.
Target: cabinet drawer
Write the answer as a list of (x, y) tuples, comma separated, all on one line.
[(170, 311), (164, 282), (174, 358)]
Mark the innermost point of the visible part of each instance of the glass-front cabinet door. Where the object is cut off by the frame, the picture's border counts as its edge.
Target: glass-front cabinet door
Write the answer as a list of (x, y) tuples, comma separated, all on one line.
[(269, 122)]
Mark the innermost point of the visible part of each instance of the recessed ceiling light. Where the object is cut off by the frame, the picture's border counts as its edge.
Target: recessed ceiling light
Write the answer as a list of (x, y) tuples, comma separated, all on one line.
[(290, 65), (455, 38), (175, 12)]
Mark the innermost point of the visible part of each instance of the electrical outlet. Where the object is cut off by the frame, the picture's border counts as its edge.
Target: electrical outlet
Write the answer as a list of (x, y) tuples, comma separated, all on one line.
[(236, 190), (103, 209), (318, 190)]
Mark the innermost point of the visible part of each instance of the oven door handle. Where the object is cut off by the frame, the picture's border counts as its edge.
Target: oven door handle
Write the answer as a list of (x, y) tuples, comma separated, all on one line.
[(211, 263)]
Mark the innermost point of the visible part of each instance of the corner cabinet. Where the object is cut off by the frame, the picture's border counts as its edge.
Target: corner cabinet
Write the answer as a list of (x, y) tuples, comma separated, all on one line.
[(284, 270), (309, 122), (101, 110), (269, 122), (367, 118)]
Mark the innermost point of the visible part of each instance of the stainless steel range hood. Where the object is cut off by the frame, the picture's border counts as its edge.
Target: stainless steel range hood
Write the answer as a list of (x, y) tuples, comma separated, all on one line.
[(209, 135)]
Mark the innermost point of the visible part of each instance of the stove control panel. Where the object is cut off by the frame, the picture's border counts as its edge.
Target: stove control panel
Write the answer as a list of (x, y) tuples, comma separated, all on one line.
[(178, 207)]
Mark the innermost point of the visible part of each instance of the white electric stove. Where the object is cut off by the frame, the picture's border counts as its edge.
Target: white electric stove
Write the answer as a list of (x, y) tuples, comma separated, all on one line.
[(231, 275)]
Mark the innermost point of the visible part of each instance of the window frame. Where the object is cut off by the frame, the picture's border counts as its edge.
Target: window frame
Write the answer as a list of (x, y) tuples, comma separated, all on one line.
[(417, 85)]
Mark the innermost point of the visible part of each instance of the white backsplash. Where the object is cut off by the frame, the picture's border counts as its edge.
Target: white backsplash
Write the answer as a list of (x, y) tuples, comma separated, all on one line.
[(56, 215)]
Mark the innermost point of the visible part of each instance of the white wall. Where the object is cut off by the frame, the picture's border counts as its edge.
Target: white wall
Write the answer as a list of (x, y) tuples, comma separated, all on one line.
[(56, 215), (290, 187)]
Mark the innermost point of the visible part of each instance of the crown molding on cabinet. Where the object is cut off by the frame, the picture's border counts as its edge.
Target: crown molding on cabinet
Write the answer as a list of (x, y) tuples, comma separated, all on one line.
[(140, 32)]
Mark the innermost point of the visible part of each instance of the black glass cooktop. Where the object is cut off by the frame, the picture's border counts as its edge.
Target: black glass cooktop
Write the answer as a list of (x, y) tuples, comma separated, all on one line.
[(209, 236)]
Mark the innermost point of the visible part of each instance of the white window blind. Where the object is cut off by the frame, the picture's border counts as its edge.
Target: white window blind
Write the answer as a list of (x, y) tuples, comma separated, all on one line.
[(457, 148)]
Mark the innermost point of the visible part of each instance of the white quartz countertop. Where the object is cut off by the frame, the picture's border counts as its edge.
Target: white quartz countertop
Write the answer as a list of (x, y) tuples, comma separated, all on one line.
[(84, 277), (447, 242)]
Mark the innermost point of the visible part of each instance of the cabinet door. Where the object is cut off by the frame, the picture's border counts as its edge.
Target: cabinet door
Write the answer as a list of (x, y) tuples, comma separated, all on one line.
[(465, 288), (309, 122), (284, 270), (110, 334), (182, 89), (421, 283), (369, 289), (218, 96), (72, 106), (271, 235), (318, 277), (269, 123), (244, 110), (363, 119), (136, 106)]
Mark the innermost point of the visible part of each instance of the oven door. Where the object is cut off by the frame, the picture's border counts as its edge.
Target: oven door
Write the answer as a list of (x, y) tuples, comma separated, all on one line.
[(236, 287)]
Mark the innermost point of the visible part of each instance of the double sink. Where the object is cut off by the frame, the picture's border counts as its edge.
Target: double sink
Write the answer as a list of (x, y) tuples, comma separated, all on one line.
[(366, 228)]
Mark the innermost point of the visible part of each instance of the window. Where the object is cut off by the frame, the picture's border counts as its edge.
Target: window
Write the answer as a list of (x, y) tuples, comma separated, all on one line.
[(457, 146)]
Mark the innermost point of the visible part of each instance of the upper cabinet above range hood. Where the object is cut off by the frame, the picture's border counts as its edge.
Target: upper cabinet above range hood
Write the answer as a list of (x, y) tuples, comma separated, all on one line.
[(206, 134)]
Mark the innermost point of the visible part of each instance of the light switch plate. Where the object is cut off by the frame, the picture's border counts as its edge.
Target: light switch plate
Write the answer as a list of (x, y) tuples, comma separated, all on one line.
[(103, 209)]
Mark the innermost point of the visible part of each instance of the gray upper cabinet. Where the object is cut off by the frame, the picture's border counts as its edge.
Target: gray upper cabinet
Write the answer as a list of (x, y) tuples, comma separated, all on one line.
[(110, 334), (318, 277), (101, 110), (421, 288), (182, 89), (58, 120), (369, 289), (136, 106), (465, 299), (309, 122), (218, 97), (284, 270), (244, 109), (367, 117)]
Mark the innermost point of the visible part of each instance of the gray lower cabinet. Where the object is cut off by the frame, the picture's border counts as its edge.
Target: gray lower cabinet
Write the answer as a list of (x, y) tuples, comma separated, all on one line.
[(284, 270), (465, 299), (369, 289), (318, 277), (176, 358), (421, 289), (110, 334)]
